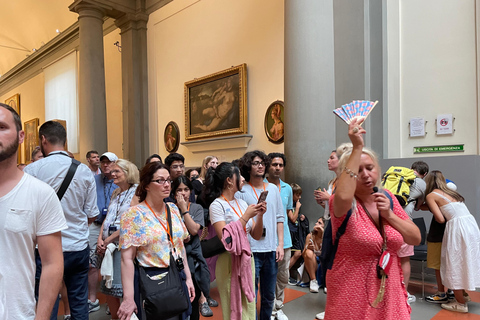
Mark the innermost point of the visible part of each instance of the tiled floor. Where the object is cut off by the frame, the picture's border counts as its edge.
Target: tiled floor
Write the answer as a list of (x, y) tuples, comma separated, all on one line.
[(300, 304)]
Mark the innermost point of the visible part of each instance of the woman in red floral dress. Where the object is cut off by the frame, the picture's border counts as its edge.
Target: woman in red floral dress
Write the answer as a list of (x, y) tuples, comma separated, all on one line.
[(353, 282)]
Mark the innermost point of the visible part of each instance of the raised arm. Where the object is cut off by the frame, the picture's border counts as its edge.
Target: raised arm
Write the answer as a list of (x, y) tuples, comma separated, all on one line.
[(347, 182)]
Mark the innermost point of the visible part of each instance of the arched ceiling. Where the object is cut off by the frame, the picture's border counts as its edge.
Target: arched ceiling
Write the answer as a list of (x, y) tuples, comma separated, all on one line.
[(26, 25)]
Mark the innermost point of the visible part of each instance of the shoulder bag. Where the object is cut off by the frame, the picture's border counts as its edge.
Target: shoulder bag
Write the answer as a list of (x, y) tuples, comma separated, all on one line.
[(163, 297)]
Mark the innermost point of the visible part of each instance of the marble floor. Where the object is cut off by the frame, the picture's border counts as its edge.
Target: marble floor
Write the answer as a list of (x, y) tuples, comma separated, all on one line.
[(300, 304)]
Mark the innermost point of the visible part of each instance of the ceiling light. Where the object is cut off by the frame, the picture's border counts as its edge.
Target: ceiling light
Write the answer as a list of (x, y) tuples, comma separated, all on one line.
[(57, 31), (34, 49)]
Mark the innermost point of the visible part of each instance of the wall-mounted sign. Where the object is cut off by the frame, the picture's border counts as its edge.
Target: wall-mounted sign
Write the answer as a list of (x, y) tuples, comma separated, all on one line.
[(445, 124), (417, 127), (434, 149)]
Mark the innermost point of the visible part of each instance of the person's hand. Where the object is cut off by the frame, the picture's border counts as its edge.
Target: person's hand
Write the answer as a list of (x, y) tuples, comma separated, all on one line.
[(126, 309), (383, 204), (317, 196), (187, 239), (298, 205), (256, 209), (279, 254), (356, 132), (302, 217), (324, 195), (191, 288), (181, 203), (310, 245), (101, 246)]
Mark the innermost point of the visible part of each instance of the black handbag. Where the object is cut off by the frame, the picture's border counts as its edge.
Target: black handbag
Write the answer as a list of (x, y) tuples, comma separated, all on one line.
[(163, 298)]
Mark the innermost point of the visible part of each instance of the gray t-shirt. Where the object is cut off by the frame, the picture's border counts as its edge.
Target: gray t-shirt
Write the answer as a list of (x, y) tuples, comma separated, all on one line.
[(417, 196)]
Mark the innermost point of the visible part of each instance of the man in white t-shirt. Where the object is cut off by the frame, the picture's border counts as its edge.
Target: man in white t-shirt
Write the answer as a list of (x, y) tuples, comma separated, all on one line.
[(269, 249), (30, 214)]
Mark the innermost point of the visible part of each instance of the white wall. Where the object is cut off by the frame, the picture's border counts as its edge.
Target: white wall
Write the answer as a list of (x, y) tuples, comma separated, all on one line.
[(190, 39), (431, 56)]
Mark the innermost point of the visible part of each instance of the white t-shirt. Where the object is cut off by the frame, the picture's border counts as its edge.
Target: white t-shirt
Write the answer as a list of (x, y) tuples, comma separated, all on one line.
[(29, 210), (221, 210)]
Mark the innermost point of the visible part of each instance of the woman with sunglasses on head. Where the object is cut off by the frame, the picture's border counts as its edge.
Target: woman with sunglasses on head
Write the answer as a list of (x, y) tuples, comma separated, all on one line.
[(220, 188), (144, 236), (461, 241), (125, 176)]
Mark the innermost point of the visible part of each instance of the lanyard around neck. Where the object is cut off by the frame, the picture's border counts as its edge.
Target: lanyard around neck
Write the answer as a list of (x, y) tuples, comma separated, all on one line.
[(256, 195), (167, 229), (238, 215)]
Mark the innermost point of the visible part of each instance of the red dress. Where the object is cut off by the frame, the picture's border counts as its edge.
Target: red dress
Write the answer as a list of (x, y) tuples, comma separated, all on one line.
[(353, 283)]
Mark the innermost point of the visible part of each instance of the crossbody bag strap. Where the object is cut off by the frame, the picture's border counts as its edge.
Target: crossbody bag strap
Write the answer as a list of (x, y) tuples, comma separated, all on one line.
[(68, 178)]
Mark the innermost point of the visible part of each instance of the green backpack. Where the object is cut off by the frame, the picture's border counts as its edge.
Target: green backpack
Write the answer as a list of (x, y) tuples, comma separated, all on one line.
[(398, 181)]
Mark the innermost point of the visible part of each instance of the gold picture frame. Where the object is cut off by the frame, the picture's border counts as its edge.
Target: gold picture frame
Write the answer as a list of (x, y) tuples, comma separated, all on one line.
[(171, 137), (14, 102), (31, 138), (64, 124), (216, 105), (274, 122)]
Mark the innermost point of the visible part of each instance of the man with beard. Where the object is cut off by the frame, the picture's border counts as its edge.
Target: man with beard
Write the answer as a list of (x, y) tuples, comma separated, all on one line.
[(275, 170), (266, 251), (30, 215), (79, 205)]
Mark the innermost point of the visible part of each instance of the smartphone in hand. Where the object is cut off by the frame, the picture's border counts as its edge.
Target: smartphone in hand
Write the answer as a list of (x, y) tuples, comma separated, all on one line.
[(263, 196)]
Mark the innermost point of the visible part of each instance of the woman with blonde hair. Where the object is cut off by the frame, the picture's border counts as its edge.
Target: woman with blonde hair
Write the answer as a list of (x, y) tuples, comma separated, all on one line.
[(376, 228), (461, 241), (208, 162), (125, 176)]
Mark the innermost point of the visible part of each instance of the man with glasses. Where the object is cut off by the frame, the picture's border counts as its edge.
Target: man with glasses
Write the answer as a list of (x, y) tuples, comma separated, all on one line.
[(266, 251), (176, 163), (105, 188), (275, 170)]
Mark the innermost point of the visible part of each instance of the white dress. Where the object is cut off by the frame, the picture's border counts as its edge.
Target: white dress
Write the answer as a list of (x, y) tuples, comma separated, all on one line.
[(460, 264)]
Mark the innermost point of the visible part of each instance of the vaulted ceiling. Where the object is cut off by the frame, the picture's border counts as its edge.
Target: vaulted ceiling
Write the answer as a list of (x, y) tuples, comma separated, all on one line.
[(26, 25)]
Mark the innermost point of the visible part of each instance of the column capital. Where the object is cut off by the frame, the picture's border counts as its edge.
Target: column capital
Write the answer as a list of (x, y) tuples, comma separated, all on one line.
[(89, 8), (132, 21)]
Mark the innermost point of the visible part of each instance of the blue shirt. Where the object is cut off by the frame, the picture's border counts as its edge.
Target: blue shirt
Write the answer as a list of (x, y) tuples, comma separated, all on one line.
[(286, 194), (105, 189)]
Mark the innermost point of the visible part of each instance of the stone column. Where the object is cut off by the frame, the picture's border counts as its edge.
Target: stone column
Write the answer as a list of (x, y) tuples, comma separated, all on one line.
[(309, 96), (134, 87), (92, 104)]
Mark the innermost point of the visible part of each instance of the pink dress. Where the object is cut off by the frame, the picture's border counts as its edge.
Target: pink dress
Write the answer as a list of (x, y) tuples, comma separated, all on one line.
[(353, 283)]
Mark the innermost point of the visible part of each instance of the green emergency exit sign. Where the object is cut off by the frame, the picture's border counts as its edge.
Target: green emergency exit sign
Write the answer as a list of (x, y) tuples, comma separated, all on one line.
[(434, 149)]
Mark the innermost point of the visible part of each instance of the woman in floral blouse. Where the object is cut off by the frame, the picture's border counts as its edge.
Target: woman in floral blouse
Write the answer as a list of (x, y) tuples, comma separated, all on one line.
[(143, 235)]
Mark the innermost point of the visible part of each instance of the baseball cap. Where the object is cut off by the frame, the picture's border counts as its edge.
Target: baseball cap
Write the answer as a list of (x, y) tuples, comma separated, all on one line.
[(110, 156)]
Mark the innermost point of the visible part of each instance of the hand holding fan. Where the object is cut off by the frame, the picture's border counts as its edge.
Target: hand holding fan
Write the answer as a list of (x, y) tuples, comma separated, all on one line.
[(356, 109)]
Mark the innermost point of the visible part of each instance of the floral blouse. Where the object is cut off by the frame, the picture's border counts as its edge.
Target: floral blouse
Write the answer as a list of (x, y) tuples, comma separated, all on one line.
[(140, 228)]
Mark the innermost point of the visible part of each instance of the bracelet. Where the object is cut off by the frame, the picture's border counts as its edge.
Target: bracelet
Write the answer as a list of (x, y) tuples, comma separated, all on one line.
[(185, 213), (351, 173), (243, 219)]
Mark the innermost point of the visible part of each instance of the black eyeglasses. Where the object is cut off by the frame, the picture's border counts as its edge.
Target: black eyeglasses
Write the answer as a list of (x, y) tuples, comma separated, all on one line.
[(162, 181), (277, 165), (258, 163)]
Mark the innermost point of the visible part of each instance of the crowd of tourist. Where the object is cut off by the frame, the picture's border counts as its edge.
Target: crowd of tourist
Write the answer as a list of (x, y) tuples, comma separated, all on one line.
[(68, 224)]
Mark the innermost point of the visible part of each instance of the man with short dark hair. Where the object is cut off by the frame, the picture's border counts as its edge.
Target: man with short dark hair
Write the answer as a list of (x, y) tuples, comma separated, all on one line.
[(266, 251), (105, 187), (30, 214), (277, 162), (79, 205), (93, 161), (176, 163)]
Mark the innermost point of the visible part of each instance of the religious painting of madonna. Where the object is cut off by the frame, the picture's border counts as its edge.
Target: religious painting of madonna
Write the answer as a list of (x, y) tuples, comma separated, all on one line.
[(216, 105)]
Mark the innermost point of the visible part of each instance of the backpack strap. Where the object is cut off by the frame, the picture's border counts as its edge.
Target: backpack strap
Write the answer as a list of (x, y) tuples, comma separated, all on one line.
[(389, 198), (68, 178), (342, 228)]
